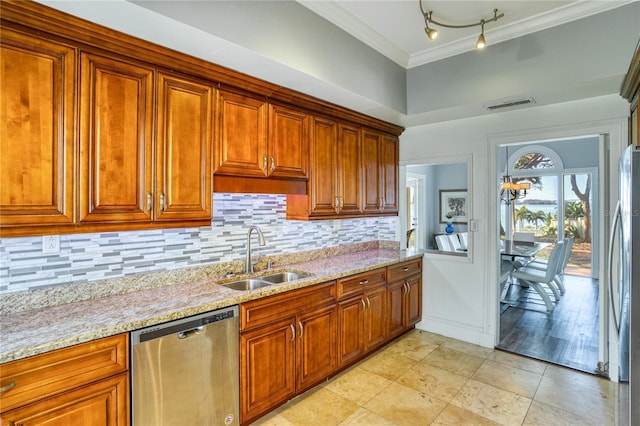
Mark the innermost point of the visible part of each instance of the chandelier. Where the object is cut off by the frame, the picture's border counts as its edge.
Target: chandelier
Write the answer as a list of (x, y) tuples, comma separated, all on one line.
[(432, 33), (511, 191)]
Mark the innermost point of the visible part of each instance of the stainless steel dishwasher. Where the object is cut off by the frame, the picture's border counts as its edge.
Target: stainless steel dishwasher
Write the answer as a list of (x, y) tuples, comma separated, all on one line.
[(185, 372)]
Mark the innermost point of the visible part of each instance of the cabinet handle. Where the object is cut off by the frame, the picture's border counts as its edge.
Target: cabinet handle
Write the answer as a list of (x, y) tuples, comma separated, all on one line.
[(405, 269), (149, 201), (8, 387), (273, 163), (337, 205), (364, 282), (368, 303), (341, 203), (293, 332), (163, 203), (364, 306), (301, 329), (264, 162), (382, 203)]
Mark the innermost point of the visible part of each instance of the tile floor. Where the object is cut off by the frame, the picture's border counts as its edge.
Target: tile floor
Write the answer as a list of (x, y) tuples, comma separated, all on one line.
[(427, 379)]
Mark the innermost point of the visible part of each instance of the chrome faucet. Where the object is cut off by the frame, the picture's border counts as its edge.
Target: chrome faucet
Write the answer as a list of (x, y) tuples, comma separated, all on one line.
[(248, 266)]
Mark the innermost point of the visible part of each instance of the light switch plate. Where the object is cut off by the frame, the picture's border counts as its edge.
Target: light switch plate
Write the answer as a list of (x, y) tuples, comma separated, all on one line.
[(51, 244), (473, 225)]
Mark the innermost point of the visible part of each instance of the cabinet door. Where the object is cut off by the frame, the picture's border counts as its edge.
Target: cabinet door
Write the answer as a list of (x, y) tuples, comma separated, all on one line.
[(267, 368), (183, 154), (413, 301), (395, 308), (316, 347), (389, 173), (288, 142), (375, 318), (373, 197), (36, 130), (323, 178), (101, 403), (116, 119), (349, 170), (241, 142), (351, 330)]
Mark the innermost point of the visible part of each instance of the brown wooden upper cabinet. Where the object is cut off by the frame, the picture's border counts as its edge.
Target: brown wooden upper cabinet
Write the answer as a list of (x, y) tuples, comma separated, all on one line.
[(380, 168), (257, 139), (37, 114), (117, 144)]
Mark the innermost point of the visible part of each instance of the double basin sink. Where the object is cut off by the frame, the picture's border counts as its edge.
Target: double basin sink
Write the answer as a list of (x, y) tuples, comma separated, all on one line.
[(264, 280)]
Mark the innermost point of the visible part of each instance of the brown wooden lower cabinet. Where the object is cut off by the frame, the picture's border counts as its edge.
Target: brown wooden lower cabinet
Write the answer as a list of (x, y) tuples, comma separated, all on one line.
[(288, 355), (101, 403), (292, 341), (84, 384)]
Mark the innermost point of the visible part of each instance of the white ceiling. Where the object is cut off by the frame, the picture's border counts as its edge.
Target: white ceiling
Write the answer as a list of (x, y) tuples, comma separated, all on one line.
[(395, 28)]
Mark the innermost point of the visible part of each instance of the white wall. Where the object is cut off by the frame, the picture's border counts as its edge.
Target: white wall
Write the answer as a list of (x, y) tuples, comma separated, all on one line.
[(460, 296)]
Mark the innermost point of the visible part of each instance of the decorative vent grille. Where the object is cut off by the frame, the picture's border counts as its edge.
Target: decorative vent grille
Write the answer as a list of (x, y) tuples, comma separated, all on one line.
[(510, 104)]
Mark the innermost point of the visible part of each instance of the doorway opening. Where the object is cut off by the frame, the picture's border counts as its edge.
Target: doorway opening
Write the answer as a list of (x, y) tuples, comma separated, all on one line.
[(560, 204)]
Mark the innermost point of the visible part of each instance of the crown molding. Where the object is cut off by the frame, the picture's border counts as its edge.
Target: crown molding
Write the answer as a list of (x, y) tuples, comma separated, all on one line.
[(332, 12)]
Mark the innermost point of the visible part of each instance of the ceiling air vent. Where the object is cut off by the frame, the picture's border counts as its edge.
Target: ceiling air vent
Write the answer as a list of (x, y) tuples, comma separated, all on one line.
[(511, 104)]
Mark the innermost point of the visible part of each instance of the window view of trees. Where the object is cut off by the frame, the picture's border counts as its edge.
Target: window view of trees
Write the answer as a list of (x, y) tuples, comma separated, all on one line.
[(538, 212)]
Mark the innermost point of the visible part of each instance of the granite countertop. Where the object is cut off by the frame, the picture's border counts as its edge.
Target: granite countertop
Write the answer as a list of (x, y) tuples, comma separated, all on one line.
[(35, 331)]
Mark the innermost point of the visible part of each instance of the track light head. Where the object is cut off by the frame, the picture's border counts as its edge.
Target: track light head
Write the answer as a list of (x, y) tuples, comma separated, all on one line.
[(481, 43), (431, 33)]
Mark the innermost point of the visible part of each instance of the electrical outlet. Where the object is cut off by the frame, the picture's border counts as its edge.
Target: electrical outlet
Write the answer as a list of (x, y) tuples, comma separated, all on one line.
[(51, 244)]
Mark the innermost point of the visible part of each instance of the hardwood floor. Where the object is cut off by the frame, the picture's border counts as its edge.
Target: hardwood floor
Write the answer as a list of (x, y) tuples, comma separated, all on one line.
[(567, 337)]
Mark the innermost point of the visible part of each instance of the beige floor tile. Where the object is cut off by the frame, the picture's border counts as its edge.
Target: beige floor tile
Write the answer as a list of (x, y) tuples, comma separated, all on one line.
[(495, 404), (469, 348), (405, 406), (364, 417), (521, 382), (570, 396), (456, 416), (272, 419), (432, 380), (387, 364), (455, 361), (319, 407), (413, 345), (358, 385), (540, 414), (518, 361), (426, 336), (581, 380)]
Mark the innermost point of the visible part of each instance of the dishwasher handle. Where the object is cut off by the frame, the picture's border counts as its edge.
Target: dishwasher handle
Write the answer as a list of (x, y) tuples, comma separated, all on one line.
[(187, 333)]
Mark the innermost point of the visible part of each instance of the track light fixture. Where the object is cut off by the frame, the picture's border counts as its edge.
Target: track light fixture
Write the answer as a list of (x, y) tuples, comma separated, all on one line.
[(433, 33)]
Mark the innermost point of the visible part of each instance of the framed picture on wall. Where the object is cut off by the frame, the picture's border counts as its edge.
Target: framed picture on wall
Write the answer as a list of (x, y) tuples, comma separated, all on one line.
[(454, 203)]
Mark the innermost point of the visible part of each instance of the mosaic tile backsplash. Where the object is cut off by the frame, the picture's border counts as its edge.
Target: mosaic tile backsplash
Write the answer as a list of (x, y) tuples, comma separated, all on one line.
[(90, 257)]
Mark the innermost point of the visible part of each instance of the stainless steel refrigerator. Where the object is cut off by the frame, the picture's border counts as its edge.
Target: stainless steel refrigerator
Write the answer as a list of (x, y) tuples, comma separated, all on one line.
[(625, 287)]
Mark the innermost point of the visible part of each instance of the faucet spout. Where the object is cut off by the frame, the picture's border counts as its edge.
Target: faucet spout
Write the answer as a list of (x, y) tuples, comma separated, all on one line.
[(248, 266)]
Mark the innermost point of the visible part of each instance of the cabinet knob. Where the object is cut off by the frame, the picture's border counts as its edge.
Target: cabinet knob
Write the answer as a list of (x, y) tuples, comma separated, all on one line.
[(273, 164), (264, 162), (149, 201), (336, 205), (405, 269), (364, 282)]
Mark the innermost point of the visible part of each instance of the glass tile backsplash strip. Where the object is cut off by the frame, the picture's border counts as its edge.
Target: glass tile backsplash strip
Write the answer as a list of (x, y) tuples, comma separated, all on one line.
[(90, 257)]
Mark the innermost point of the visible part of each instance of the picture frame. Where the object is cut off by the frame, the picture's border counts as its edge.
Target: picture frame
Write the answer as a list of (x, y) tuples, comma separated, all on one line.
[(456, 203)]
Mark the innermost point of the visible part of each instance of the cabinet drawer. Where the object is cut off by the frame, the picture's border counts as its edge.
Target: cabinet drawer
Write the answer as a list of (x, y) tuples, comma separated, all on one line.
[(404, 270), (57, 371), (273, 308), (357, 284)]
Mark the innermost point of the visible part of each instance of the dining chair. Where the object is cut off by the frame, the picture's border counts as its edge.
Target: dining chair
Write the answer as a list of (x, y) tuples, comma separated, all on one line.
[(454, 242), (464, 240), (542, 264), (536, 278), (442, 241)]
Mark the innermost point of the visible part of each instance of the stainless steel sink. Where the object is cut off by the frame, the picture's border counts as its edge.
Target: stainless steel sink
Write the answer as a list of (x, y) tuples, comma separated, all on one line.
[(284, 276), (247, 284)]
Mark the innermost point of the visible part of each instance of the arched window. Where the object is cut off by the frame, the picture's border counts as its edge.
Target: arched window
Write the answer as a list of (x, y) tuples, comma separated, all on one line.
[(537, 159)]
